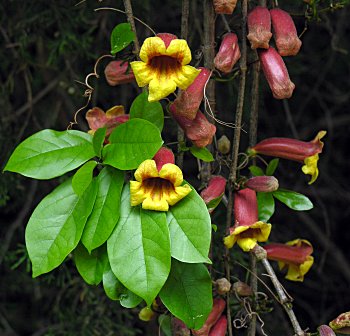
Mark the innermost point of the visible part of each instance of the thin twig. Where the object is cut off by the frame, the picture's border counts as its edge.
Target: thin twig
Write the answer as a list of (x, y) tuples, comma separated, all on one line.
[(130, 17)]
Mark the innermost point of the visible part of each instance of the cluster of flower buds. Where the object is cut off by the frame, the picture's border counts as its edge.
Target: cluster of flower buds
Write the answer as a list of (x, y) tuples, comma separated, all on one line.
[(216, 323), (287, 43)]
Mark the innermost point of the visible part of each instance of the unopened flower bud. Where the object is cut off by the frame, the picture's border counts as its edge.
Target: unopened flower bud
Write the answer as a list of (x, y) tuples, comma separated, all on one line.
[(285, 33), (262, 183), (324, 330), (242, 289), (276, 73), (163, 156), (223, 286), (188, 101), (219, 328), (118, 72), (228, 54), (224, 145), (224, 6), (146, 314), (341, 324), (215, 188), (259, 28)]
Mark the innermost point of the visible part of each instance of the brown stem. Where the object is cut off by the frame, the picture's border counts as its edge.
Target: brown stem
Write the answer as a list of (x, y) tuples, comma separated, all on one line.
[(260, 254), (130, 17)]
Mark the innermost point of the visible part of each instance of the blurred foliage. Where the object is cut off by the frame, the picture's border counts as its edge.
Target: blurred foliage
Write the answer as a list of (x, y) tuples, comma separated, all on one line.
[(47, 46)]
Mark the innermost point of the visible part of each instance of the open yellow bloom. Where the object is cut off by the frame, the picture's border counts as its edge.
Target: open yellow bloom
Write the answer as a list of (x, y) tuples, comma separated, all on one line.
[(163, 66), (156, 190), (247, 236)]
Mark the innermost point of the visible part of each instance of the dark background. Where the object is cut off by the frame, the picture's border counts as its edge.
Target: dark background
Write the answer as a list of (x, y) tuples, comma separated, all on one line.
[(48, 46)]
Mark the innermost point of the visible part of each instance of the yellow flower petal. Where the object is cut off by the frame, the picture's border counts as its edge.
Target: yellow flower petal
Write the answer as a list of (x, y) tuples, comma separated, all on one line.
[(230, 240), (147, 169), (160, 87), (263, 234), (310, 167), (172, 173), (178, 194), (142, 71), (246, 244), (179, 49), (152, 46), (137, 193), (115, 111), (159, 204), (319, 136), (184, 78)]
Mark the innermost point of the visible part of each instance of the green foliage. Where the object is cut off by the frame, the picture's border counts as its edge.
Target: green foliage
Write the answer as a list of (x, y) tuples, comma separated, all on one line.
[(202, 153), (266, 206), (139, 249), (187, 293), (56, 225), (143, 109), (272, 166), (83, 177), (121, 37), (48, 154), (98, 140), (256, 171), (131, 143), (293, 200)]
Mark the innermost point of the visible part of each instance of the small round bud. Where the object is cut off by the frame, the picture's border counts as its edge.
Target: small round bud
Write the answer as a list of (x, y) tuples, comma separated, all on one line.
[(242, 289), (223, 286), (146, 314), (224, 145)]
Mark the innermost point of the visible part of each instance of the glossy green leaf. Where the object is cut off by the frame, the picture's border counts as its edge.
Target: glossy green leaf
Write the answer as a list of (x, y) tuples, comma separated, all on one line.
[(188, 293), (190, 229), (256, 171), (48, 154), (202, 153), (132, 143), (91, 266), (266, 206), (151, 111), (106, 210), (164, 322), (111, 285), (128, 299), (121, 37), (293, 200), (83, 177), (214, 202), (98, 140), (139, 249), (272, 166), (56, 226)]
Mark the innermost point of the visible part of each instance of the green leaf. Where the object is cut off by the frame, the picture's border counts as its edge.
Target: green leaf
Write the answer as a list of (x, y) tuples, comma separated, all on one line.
[(143, 109), (266, 206), (188, 293), (132, 143), (83, 177), (164, 322), (272, 166), (91, 266), (293, 200), (115, 290), (98, 140), (121, 37), (202, 153), (48, 154), (56, 225), (139, 249), (214, 202), (106, 210), (190, 229), (256, 171), (111, 285)]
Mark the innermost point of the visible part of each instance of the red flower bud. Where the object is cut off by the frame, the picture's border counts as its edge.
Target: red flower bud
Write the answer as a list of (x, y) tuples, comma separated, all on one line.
[(223, 286), (199, 130), (224, 6), (341, 324), (245, 207), (118, 72), (242, 289), (324, 330), (163, 156), (218, 307), (259, 28), (167, 38), (220, 327), (215, 189), (285, 33), (262, 183), (228, 54), (188, 101), (276, 73)]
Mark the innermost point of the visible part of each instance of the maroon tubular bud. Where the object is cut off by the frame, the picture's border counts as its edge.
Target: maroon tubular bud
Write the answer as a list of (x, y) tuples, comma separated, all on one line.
[(224, 6), (188, 101), (228, 54), (259, 28), (118, 72), (220, 327), (276, 73), (215, 188), (285, 33), (324, 330), (262, 183), (218, 307), (163, 156)]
